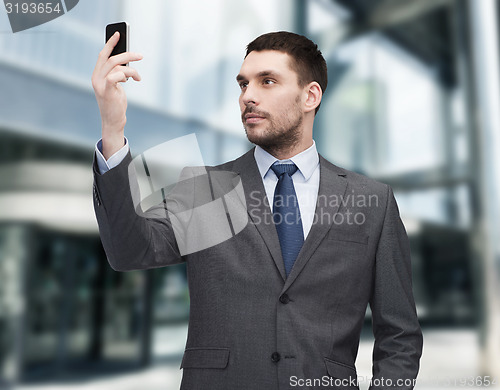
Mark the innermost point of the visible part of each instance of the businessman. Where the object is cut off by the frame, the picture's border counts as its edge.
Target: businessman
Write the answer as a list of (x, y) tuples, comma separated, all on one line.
[(281, 304)]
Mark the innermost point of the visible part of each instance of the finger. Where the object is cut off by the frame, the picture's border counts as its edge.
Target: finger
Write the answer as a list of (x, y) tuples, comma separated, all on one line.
[(122, 73), (108, 48), (130, 72), (105, 53), (119, 59), (116, 77)]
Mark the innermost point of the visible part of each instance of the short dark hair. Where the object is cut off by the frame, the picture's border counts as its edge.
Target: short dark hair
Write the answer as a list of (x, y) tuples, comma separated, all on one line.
[(307, 60)]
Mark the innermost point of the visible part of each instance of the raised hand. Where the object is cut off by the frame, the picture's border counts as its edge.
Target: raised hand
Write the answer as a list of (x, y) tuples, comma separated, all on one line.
[(106, 80)]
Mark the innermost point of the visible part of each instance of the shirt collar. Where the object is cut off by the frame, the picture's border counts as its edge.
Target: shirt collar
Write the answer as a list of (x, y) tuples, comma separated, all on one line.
[(306, 161)]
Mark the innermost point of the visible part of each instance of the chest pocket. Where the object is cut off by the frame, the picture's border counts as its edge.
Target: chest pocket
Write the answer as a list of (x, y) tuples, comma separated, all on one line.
[(354, 235)]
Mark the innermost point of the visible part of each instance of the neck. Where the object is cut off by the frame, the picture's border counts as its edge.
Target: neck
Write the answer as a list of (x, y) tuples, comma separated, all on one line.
[(286, 152)]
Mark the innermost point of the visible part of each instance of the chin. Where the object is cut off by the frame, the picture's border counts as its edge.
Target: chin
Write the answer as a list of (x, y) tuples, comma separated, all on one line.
[(264, 142), (257, 136)]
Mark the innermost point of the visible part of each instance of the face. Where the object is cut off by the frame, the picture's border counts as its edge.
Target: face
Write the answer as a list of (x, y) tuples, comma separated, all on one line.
[(270, 100)]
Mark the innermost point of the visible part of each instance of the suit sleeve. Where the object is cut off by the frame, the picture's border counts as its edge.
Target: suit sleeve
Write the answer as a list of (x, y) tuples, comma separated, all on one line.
[(131, 241), (398, 337)]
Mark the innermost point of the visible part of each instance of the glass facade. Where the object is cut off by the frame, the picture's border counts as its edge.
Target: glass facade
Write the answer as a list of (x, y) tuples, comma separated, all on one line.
[(407, 104)]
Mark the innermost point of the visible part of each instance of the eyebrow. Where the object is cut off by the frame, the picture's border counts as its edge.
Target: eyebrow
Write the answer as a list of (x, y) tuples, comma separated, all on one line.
[(264, 73)]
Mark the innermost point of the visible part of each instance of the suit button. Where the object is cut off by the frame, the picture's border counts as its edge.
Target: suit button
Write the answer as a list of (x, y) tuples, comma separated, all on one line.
[(275, 357), (284, 299)]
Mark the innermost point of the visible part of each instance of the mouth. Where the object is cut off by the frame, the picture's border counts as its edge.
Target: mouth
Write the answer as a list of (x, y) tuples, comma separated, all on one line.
[(253, 118)]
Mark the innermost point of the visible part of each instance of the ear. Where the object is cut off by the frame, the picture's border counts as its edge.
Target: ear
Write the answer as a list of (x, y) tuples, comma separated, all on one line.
[(313, 94)]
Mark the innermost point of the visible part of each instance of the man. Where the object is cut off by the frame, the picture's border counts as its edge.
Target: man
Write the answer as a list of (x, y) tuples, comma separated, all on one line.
[(279, 305)]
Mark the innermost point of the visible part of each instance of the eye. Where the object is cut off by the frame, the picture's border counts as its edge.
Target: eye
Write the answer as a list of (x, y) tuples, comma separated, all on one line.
[(243, 84), (269, 82)]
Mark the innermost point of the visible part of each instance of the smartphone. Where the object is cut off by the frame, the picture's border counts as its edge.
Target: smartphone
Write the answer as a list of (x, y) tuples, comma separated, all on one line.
[(122, 45)]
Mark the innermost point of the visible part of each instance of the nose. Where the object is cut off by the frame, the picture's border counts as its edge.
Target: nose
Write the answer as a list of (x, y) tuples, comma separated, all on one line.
[(249, 95)]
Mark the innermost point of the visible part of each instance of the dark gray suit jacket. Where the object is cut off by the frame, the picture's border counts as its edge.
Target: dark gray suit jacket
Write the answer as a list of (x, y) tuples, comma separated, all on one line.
[(250, 326)]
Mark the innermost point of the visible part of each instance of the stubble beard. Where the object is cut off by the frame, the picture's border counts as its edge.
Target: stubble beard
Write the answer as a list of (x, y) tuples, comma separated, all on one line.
[(277, 138)]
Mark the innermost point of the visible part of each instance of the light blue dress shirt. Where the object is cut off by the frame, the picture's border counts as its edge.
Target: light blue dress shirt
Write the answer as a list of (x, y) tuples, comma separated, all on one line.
[(105, 165), (305, 180)]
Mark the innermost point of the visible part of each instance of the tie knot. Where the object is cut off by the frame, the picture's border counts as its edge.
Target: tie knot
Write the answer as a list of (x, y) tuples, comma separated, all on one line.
[(280, 169)]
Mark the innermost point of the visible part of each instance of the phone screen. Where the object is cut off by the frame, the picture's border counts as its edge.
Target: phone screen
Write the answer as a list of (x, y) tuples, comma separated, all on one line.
[(122, 45)]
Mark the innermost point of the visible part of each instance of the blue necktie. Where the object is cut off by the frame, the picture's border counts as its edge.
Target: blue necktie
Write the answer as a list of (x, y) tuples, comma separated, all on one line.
[(286, 214)]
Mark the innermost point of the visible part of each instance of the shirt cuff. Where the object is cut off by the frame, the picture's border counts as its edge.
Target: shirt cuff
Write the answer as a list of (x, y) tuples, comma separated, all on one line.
[(105, 165)]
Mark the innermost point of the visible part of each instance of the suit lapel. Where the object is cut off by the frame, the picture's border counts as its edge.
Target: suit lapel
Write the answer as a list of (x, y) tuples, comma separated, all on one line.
[(332, 186), (258, 207)]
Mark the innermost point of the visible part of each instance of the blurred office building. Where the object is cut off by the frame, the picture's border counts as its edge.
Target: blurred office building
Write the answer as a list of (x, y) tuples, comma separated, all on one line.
[(412, 101)]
